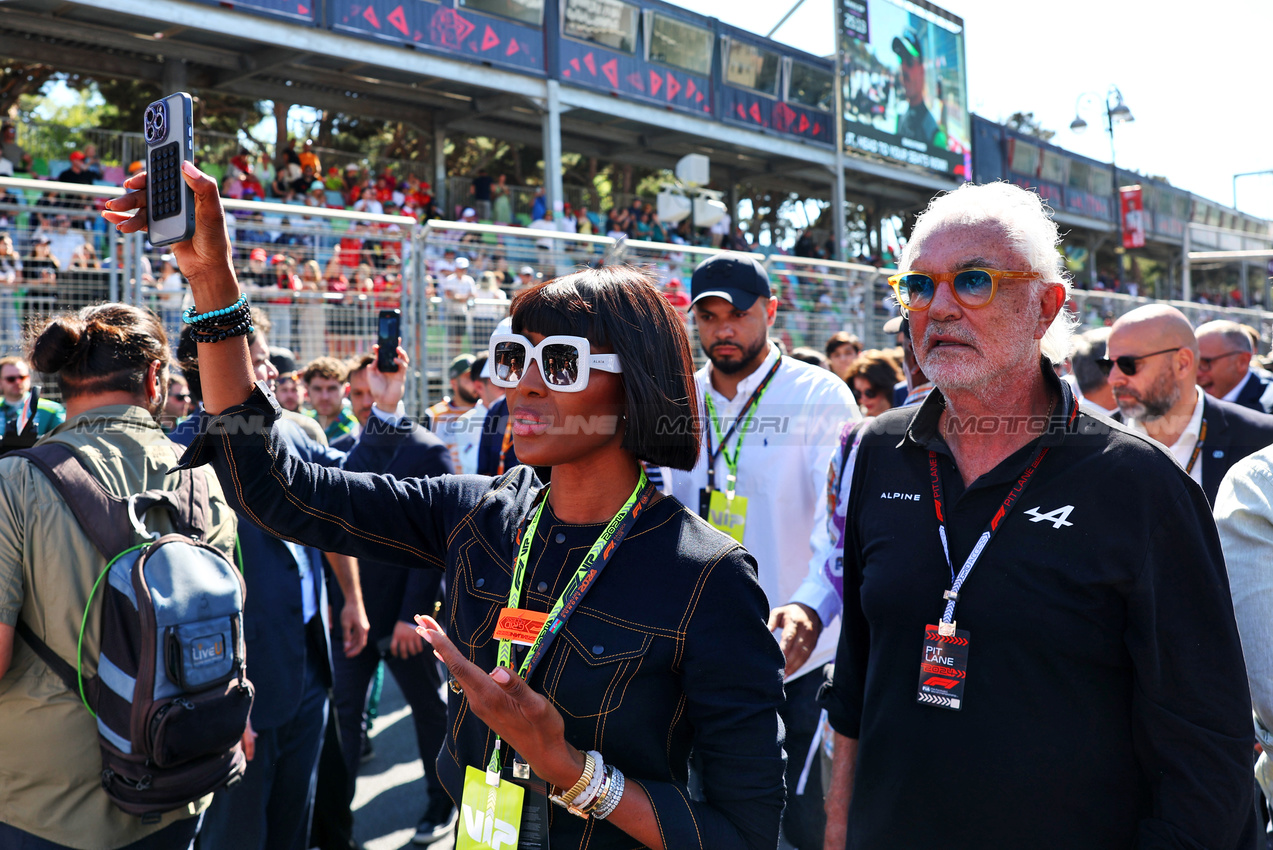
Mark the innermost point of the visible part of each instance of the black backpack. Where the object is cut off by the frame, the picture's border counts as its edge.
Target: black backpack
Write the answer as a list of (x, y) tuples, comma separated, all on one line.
[(171, 694)]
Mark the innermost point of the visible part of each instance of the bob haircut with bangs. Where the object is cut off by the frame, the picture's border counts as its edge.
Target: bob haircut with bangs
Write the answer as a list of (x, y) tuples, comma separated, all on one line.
[(620, 307)]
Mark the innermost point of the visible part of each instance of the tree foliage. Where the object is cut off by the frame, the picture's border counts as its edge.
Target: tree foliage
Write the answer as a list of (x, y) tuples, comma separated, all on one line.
[(1025, 122), (18, 79)]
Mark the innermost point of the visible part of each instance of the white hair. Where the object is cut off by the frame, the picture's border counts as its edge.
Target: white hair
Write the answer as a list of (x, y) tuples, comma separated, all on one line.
[(1028, 228)]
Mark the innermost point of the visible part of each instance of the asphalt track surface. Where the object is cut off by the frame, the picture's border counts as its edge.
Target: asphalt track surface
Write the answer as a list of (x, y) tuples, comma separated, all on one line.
[(390, 796)]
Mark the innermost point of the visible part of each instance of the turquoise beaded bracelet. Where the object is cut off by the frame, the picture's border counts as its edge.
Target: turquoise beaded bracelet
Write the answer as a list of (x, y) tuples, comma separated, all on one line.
[(189, 316)]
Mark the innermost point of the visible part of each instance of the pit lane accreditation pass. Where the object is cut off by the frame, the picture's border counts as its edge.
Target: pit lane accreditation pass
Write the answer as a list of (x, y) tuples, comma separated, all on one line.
[(943, 668)]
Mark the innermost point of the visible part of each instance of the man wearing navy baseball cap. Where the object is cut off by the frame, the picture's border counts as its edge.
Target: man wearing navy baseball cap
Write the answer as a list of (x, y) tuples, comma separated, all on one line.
[(770, 426)]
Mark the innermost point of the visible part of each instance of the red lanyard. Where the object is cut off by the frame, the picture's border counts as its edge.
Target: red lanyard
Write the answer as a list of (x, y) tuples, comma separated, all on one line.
[(505, 444), (947, 624)]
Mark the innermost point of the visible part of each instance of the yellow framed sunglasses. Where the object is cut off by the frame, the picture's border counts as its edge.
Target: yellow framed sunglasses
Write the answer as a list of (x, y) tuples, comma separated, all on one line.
[(973, 288)]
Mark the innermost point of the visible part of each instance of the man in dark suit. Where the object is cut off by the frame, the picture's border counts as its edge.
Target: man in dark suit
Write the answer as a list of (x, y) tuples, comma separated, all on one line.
[(285, 630), (393, 595), (1153, 362), (1224, 366)]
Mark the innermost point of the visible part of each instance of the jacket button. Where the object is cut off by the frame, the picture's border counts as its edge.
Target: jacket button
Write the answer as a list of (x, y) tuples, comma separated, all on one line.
[(598, 649), (542, 587), (561, 538), (479, 582)]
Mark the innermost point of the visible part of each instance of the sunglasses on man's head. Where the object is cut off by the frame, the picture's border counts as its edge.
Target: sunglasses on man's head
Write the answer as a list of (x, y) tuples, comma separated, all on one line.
[(1128, 364), (973, 288), (564, 361)]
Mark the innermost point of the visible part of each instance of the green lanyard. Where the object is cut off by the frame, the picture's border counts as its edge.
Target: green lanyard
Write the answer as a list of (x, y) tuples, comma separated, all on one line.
[(745, 415), (583, 579)]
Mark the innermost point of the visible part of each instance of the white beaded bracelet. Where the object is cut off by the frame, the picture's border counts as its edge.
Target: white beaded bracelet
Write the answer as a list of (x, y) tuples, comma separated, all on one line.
[(588, 795)]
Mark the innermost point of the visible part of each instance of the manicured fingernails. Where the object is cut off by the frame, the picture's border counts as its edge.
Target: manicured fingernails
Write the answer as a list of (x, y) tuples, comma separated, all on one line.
[(426, 627)]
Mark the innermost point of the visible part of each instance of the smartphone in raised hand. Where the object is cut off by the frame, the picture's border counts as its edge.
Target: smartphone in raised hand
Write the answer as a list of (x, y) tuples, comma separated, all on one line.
[(168, 128), (390, 334)]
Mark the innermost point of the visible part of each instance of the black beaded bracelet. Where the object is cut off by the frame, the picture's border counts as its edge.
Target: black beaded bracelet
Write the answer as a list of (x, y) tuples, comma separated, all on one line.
[(223, 320), (208, 336)]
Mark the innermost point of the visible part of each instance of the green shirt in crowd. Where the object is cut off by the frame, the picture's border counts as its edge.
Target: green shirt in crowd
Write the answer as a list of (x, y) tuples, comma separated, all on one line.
[(50, 766)]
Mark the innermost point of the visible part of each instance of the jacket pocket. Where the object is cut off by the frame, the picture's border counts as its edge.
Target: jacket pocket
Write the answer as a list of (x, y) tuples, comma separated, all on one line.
[(596, 664)]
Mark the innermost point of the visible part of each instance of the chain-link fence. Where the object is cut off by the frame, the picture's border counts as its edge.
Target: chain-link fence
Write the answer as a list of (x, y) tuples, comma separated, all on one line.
[(1095, 309), (817, 298), (322, 276)]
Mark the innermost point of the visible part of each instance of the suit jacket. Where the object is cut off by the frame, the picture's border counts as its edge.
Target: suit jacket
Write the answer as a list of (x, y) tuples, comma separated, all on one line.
[(1257, 395), (390, 591), (274, 628), (492, 441), (1233, 432)]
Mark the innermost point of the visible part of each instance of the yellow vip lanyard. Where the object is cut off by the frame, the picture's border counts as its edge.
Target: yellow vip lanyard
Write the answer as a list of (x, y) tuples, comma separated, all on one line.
[(583, 579)]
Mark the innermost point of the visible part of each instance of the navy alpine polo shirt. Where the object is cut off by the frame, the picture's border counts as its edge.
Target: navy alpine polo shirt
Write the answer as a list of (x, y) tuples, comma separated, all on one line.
[(1105, 703)]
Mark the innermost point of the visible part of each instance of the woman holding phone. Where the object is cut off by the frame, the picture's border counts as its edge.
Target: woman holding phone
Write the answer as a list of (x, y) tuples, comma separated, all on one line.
[(596, 632)]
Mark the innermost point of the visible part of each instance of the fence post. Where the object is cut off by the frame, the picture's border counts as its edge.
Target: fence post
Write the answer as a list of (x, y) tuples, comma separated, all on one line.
[(420, 306), (113, 240)]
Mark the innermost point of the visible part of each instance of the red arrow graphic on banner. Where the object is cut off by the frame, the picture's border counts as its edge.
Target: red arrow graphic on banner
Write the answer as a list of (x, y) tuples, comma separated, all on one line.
[(490, 40), (399, 21), (673, 86), (590, 64), (611, 70), (512, 47), (370, 15), (656, 83)]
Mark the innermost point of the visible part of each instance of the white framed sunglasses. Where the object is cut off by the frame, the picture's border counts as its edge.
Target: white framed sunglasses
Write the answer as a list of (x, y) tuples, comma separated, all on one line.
[(564, 361)]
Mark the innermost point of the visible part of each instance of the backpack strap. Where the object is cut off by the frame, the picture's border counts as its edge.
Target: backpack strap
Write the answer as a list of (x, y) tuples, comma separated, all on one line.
[(102, 515), (55, 662), (105, 517)]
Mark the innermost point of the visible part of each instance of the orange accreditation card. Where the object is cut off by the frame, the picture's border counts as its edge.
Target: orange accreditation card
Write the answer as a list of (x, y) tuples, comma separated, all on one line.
[(519, 626)]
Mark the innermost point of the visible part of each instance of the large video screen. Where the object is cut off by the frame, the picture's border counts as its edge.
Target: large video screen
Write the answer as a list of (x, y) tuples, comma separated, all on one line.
[(905, 89)]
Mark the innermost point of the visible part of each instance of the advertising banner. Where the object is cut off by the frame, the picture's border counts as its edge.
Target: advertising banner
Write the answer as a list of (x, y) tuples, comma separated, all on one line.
[(905, 86), (297, 10), (1133, 210), (630, 76), (460, 32)]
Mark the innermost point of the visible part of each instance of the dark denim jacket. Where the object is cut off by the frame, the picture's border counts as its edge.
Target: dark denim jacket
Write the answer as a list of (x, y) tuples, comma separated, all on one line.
[(667, 652)]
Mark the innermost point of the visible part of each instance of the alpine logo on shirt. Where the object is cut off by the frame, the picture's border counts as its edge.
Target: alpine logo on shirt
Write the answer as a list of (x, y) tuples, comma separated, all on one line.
[(1059, 517), (907, 497)]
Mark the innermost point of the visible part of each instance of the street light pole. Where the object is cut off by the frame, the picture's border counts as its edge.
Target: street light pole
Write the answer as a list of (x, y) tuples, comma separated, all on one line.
[(1116, 111), (1244, 174)]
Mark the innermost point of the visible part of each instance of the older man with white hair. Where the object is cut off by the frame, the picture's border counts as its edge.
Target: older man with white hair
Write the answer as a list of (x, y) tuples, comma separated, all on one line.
[(1026, 659)]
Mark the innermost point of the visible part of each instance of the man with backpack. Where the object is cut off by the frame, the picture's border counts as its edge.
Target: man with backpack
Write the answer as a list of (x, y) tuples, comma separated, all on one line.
[(112, 366)]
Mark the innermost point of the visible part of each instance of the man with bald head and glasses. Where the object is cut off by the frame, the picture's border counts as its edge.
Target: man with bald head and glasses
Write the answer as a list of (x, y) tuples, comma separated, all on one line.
[(1037, 646), (1225, 350), (1153, 364)]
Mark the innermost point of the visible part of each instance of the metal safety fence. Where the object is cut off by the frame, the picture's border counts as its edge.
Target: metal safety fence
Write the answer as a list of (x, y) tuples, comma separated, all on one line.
[(817, 298), (323, 275)]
